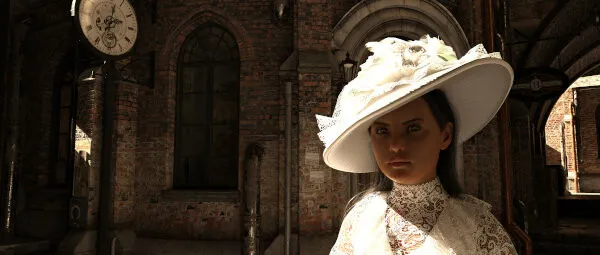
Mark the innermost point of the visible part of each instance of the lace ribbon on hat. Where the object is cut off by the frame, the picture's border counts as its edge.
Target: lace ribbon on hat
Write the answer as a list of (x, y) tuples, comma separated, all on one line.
[(395, 63)]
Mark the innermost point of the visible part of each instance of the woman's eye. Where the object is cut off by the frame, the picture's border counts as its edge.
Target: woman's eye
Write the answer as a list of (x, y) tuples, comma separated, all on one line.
[(381, 130), (413, 128)]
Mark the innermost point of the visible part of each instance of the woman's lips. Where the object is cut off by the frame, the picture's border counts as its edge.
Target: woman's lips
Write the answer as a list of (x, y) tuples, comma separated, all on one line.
[(398, 164)]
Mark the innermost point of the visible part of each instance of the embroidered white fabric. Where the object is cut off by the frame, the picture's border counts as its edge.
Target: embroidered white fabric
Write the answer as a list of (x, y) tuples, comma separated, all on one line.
[(411, 220), (412, 212), (395, 63)]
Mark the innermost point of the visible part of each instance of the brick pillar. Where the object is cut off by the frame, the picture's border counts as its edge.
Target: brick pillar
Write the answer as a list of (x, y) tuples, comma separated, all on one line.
[(125, 133), (83, 208), (313, 42), (88, 144)]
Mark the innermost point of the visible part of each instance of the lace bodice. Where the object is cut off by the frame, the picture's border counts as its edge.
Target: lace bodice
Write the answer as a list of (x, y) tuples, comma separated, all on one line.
[(421, 219), (412, 212)]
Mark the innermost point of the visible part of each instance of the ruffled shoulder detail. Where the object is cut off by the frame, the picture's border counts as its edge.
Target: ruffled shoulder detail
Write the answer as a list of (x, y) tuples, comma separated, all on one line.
[(471, 217), (353, 223)]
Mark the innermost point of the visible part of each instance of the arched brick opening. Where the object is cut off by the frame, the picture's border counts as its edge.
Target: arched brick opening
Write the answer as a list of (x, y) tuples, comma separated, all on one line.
[(166, 71)]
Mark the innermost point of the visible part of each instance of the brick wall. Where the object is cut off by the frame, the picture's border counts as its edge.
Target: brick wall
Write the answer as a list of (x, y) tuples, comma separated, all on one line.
[(554, 135), (124, 153), (263, 46), (313, 42), (144, 125), (588, 100), (582, 159)]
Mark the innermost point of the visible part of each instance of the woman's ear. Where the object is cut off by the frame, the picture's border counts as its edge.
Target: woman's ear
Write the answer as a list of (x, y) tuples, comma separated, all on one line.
[(447, 136)]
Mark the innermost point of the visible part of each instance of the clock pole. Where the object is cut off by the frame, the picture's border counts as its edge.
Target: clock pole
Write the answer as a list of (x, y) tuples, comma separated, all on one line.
[(111, 39), (105, 215)]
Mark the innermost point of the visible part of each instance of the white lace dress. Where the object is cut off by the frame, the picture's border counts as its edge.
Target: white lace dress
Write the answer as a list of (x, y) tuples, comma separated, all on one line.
[(421, 219)]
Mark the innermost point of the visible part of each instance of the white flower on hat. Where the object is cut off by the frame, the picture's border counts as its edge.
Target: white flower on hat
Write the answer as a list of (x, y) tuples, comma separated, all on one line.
[(399, 61)]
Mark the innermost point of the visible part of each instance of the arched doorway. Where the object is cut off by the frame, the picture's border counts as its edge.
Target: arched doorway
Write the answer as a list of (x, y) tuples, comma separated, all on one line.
[(409, 20), (565, 47)]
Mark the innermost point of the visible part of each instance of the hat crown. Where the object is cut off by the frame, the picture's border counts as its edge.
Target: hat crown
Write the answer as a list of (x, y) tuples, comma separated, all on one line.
[(395, 60)]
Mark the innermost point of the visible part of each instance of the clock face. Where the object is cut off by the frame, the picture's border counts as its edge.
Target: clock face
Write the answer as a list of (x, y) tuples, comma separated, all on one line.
[(109, 25)]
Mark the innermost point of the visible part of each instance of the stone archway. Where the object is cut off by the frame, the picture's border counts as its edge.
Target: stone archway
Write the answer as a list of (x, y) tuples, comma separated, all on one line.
[(371, 20)]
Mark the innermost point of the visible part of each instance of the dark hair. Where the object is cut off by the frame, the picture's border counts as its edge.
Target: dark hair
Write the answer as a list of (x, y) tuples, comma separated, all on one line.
[(446, 166)]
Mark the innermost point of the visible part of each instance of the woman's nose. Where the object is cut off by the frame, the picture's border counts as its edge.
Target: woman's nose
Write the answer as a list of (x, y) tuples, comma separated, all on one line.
[(397, 143)]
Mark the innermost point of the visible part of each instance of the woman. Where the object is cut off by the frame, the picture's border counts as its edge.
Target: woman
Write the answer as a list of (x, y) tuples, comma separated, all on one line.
[(402, 117)]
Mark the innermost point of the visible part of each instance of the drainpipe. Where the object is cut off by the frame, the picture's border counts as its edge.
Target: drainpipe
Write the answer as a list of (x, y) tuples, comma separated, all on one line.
[(563, 150), (503, 120), (575, 135), (10, 175), (288, 167)]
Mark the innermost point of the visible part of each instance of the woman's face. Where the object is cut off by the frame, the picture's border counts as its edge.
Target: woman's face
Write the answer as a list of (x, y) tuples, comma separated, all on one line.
[(407, 143)]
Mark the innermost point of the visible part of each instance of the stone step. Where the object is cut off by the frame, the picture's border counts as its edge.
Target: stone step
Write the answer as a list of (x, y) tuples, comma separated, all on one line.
[(563, 248), (17, 247), (579, 206), (152, 246)]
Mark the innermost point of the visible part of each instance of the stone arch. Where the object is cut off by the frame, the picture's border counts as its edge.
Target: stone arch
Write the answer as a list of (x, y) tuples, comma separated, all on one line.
[(567, 17), (42, 94), (583, 63), (371, 20), (166, 70)]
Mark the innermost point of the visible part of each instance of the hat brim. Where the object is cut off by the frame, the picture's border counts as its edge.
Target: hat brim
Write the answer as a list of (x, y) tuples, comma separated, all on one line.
[(475, 91)]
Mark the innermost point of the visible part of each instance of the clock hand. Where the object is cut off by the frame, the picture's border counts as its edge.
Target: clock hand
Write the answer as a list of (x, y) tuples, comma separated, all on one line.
[(98, 23)]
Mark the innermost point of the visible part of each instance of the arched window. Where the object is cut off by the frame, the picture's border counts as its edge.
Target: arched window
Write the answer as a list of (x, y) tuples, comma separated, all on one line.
[(206, 138), (598, 129)]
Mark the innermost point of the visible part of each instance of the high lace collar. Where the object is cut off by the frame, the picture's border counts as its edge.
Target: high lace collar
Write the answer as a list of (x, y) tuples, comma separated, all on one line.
[(420, 203)]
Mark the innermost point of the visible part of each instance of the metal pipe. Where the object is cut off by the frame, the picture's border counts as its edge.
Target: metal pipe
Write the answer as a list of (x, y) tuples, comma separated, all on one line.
[(8, 7), (106, 169), (251, 201), (288, 167), (10, 174)]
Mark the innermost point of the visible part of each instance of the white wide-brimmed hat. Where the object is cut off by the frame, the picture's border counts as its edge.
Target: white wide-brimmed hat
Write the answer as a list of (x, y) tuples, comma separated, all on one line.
[(399, 72)]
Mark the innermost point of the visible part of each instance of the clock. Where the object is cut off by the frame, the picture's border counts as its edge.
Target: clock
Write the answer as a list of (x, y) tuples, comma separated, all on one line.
[(109, 26)]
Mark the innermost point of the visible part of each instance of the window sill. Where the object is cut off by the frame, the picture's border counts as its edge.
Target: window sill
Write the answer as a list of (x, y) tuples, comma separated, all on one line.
[(201, 196)]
